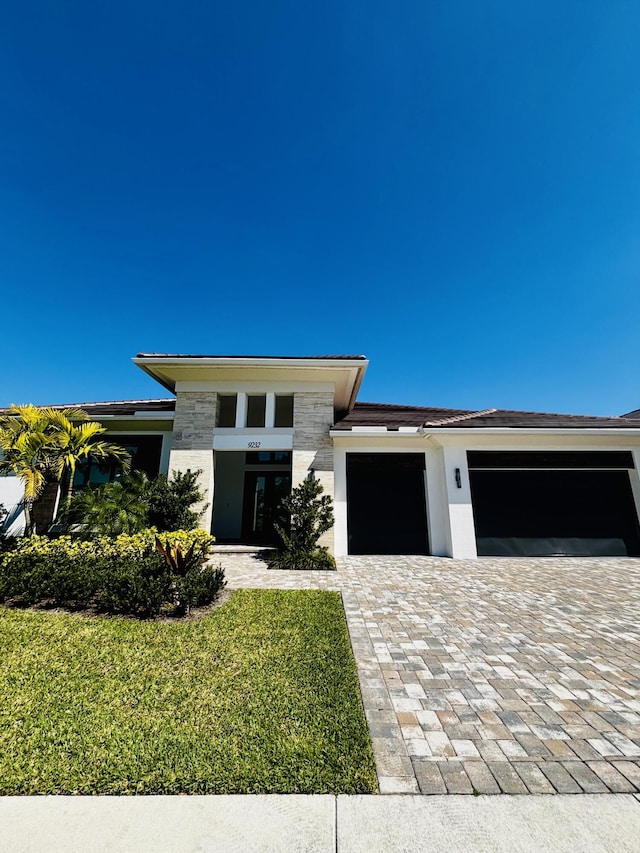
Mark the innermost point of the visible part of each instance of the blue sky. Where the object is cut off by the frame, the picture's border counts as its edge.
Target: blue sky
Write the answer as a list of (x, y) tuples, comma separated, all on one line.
[(450, 187)]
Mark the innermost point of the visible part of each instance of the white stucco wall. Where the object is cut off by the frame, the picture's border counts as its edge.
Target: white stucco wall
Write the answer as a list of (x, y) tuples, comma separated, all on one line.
[(449, 507), (11, 492)]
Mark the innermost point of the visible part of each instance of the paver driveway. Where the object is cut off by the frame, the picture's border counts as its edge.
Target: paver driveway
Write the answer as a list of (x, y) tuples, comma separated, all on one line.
[(491, 675)]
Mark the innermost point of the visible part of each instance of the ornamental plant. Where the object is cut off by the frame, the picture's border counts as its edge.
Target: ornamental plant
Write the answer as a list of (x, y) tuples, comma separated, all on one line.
[(309, 513), (43, 445), (124, 574), (134, 503), (171, 501)]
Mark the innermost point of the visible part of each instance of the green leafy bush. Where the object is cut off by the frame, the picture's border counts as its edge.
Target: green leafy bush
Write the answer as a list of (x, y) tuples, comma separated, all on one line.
[(132, 504), (197, 588), (310, 514), (124, 574), (170, 501), (193, 583), (299, 560), (109, 509), (139, 586)]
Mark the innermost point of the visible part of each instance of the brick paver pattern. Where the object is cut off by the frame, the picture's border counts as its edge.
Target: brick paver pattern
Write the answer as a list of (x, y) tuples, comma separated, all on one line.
[(490, 675)]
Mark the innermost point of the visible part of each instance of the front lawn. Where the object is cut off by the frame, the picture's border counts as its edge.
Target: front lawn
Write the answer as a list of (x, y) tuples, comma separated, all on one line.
[(260, 696)]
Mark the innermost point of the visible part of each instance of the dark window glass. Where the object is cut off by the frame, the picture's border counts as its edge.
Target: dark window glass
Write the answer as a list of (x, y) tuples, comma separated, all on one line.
[(284, 410), (604, 459), (227, 410), (268, 457), (256, 404), (145, 453)]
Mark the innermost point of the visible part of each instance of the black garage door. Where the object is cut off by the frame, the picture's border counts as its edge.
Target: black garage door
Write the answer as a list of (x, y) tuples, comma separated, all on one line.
[(551, 504), (386, 509)]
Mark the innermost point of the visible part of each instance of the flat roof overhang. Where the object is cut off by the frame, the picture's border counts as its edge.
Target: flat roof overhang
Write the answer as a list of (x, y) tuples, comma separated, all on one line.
[(344, 373)]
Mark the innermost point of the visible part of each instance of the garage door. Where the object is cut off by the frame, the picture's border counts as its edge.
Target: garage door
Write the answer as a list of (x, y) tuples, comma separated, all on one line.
[(386, 507), (553, 504)]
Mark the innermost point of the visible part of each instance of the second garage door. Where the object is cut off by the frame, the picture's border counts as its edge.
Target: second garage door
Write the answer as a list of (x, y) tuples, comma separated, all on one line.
[(553, 504)]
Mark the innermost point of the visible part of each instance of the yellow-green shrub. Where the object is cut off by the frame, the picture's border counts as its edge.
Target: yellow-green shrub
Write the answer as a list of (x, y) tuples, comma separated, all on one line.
[(124, 574)]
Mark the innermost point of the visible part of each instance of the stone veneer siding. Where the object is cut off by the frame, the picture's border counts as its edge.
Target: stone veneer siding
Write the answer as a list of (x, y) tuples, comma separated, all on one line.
[(192, 444), (313, 416)]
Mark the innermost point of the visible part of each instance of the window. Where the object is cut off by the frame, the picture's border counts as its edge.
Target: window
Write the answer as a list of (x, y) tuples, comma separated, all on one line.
[(284, 410), (227, 404), (145, 451), (268, 457), (256, 407)]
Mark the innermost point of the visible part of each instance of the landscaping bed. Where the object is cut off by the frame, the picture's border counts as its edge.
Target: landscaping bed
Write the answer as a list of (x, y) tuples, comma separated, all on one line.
[(260, 696)]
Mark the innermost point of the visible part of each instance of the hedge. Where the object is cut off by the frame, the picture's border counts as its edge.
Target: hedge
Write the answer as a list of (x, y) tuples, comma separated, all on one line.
[(125, 574)]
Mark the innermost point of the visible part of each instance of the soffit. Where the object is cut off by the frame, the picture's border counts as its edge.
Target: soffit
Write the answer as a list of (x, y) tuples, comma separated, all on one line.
[(344, 373)]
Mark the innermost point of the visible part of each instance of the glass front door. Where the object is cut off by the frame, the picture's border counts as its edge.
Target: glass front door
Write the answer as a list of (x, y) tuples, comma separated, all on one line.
[(263, 491)]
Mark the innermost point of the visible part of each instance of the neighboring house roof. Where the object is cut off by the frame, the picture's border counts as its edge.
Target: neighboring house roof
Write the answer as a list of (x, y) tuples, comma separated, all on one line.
[(393, 417), (116, 407), (634, 414), (273, 357)]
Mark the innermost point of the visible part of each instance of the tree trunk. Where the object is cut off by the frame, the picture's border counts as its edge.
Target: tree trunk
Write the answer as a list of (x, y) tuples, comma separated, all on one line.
[(28, 521), (69, 494), (44, 509)]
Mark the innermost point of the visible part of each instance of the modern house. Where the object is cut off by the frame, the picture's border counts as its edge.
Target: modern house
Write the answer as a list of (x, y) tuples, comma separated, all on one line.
[(404, 479)]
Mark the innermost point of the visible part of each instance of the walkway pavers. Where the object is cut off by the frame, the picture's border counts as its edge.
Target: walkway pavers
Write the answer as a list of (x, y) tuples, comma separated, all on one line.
[(524, 672)]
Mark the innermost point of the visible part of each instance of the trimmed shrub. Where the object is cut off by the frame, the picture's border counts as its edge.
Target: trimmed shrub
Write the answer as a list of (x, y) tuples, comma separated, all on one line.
[(198, 587), (41, 569), (170, 501), (121, 575), (299, 560), (309, 514), (137, 586)]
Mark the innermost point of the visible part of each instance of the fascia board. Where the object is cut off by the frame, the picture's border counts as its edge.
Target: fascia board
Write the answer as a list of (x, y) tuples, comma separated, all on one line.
[(254, 362), (138, 416), (535, 431), (512, 431)]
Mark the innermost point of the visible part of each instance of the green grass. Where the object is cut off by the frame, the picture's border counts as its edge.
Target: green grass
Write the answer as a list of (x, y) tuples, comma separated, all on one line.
[(260, 696)]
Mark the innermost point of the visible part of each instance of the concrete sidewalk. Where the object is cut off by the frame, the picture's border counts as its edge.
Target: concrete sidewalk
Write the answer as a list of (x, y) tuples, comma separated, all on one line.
[(321, 824)]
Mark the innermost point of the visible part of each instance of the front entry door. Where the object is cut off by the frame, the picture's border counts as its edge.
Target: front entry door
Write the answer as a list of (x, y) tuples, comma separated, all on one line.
[(263, 491)]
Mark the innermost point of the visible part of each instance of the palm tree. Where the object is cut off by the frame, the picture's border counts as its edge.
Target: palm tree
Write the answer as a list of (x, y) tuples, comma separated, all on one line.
[(77, 443), (110, 509), (41, 445), (26, 445)]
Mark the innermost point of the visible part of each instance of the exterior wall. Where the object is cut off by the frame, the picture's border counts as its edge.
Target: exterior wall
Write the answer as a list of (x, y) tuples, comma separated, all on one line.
[(192, 444), (11, 493), (460, 522), (377, 444), (634, 477), (437, 516), (460, 529), (312, 446), (449, 508), (312, 449)]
